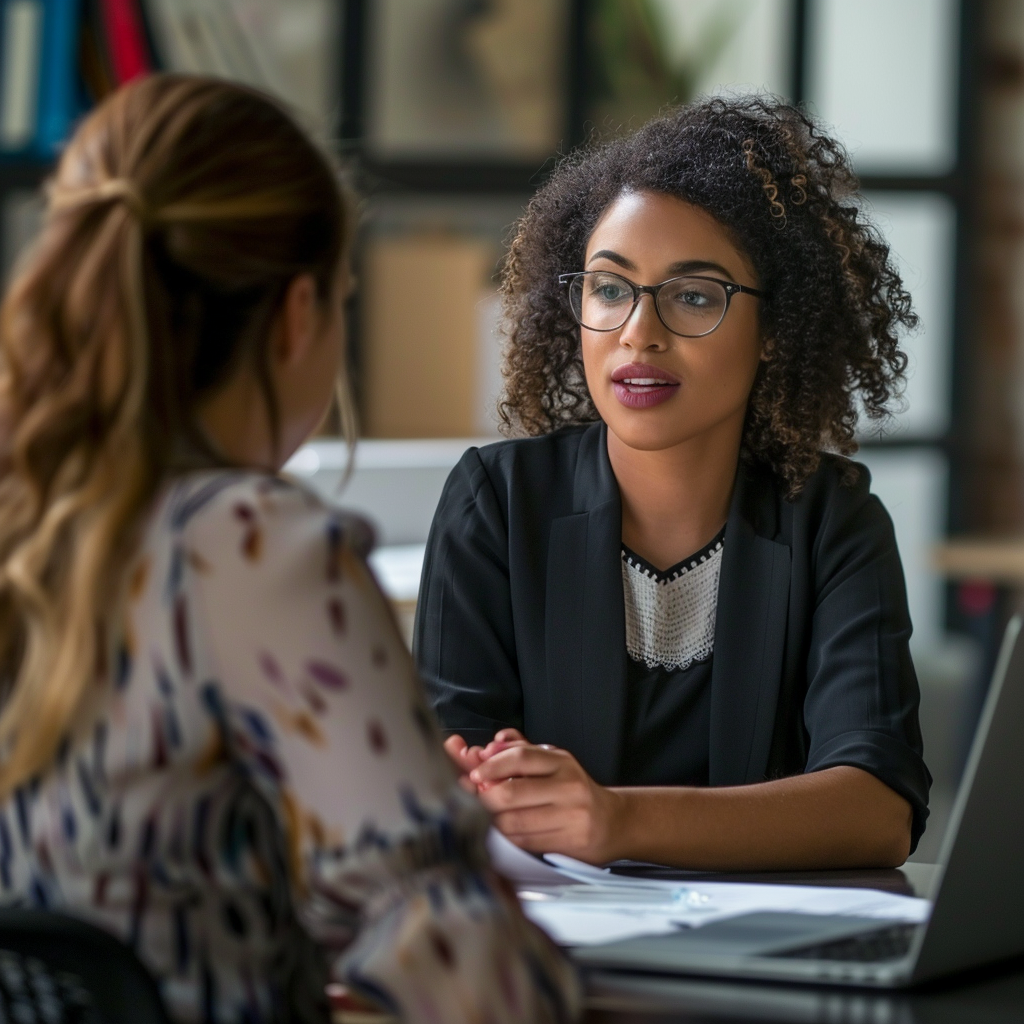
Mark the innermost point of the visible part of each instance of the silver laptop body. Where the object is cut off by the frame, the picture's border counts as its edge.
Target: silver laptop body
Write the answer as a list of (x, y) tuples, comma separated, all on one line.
[(978, 911)]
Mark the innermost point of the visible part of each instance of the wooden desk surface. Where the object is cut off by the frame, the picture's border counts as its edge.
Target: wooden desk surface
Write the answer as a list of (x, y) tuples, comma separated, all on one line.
[(996, 997), (976, 558)]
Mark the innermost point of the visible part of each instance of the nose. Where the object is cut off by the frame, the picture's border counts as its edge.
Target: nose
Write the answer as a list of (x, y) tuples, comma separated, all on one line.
[(644, 329)]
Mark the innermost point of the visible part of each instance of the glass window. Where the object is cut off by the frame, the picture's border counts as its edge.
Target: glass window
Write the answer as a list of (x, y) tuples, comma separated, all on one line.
[(912, 484), (920, 227), (645, 54), (287, 49), (884, 73)]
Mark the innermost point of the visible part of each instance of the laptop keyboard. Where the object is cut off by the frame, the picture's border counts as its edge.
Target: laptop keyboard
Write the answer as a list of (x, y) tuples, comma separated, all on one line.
[(32, 993), (886, 944)]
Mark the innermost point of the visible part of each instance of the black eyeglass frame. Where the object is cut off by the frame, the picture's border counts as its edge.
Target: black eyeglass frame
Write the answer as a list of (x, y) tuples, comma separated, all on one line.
[(639, 290)]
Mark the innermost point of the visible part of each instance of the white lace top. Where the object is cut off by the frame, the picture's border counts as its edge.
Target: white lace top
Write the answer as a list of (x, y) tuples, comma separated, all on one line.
[(670, 616)]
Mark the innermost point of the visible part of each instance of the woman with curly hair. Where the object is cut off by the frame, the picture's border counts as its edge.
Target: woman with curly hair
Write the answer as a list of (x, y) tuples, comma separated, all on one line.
[(671, 623)]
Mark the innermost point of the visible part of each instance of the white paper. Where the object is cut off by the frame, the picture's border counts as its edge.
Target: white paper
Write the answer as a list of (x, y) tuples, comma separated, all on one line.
[(576, 919), (578, 904), (518, 866)]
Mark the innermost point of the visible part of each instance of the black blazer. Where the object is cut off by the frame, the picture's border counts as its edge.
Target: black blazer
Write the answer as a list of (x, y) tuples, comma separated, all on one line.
[(521, 622)]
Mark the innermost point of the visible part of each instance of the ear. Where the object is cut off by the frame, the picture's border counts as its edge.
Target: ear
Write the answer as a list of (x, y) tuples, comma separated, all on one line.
[(298, 322)]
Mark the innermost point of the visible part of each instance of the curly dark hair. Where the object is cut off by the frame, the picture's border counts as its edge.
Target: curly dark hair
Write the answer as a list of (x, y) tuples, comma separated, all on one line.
[(785, 192)]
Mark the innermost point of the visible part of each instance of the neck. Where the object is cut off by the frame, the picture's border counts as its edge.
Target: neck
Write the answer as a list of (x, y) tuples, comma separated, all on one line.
[(674, 500), (234, 419)]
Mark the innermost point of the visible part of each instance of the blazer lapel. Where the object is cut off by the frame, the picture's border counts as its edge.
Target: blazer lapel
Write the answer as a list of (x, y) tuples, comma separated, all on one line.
[(750, 631), (585, 617)]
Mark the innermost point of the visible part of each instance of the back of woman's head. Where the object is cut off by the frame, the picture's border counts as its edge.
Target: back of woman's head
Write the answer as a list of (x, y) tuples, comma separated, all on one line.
[(179, 213), (784, 192)]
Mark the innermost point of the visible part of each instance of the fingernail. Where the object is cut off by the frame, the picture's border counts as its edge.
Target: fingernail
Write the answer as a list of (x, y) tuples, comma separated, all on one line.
[(474, 775)]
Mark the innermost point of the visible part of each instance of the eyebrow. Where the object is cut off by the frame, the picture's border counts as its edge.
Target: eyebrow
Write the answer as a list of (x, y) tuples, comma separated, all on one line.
[(683, 267)]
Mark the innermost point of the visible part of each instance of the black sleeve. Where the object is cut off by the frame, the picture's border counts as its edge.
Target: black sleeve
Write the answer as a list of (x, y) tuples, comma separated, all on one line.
[(861, 705), (464, 642)]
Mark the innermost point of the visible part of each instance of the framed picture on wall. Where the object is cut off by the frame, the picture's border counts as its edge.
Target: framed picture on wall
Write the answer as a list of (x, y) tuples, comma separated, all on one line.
[(458, 80), (643, 55)]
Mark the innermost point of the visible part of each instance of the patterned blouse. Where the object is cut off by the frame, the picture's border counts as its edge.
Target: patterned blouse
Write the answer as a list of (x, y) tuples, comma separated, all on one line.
[(255, 796)]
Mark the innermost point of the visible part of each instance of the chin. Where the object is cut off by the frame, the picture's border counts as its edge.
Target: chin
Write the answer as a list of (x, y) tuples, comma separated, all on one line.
[(649, 436)]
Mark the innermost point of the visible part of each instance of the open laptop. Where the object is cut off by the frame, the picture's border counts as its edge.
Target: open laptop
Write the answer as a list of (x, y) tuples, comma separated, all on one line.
[(978, 911)]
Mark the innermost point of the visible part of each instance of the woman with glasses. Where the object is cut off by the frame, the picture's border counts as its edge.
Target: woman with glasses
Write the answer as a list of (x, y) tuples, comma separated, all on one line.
[(670, 623)]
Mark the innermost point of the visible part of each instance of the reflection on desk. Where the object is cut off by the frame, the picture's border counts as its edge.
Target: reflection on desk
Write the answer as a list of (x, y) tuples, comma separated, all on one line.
[(633, 999)]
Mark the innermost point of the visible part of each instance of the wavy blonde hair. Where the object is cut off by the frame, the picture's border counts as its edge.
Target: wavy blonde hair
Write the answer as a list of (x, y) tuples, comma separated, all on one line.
[(179, 213)]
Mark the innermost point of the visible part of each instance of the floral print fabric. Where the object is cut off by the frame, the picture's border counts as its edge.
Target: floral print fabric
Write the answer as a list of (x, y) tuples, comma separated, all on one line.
[(255, 796)]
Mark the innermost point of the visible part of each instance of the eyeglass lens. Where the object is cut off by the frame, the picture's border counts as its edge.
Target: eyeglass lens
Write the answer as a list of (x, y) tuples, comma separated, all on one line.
[(690, 306)]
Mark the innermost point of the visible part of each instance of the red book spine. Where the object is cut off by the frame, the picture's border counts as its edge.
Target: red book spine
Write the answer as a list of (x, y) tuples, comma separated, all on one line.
[(126, 41)]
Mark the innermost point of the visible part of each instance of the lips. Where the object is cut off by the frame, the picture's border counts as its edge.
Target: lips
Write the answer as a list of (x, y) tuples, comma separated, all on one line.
[(641, 386)]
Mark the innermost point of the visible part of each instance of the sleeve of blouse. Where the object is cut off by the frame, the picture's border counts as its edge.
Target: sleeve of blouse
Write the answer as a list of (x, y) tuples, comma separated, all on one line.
[(861, 706), (324, 711)]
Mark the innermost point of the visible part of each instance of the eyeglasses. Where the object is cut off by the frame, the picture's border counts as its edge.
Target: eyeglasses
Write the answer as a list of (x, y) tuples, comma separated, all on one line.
[(688, 306)]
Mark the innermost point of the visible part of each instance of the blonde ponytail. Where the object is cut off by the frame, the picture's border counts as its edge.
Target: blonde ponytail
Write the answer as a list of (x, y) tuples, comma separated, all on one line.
[(157, 236)]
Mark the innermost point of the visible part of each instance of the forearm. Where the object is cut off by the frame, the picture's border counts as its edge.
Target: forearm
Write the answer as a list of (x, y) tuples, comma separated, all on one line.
[(837, 818)]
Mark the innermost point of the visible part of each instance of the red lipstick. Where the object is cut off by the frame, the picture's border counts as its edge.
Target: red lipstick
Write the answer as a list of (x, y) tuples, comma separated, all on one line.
[(642, 386)]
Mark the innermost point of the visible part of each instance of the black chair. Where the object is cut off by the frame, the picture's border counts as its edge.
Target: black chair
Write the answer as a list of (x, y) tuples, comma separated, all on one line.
[(58, 970)]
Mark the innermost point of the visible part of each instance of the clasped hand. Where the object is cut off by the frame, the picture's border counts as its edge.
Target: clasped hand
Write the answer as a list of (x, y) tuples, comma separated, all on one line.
[(540, 796)]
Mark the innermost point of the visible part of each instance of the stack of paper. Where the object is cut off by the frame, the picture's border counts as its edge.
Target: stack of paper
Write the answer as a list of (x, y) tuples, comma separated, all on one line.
[(578, 904)]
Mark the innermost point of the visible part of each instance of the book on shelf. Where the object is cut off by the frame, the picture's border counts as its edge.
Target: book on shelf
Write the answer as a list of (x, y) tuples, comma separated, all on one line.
[(125, 37), (41, 93), (21, 45), (59, 57)]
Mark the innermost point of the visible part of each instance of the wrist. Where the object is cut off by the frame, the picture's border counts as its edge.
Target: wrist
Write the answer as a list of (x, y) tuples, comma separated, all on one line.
[(621, 815)]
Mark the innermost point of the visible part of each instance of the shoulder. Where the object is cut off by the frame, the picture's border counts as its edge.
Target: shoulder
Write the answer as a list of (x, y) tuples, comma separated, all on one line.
[(840, 488), (552, 451), (254, 515), (839, 517), (838, 482), (835, 503), (528, 465)]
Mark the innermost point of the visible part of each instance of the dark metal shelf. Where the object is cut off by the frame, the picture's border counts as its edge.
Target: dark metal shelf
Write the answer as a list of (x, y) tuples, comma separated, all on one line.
[(952, 185), (23, 172), (466, 177)]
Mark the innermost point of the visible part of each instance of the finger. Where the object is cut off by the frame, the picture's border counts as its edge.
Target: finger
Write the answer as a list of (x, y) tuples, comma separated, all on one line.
[(509, 736), (503, 739), (528, 791), (497, 746), (535, 842), (472, 757), (541, 824), (520, 760), (454, 745), (455, 748)]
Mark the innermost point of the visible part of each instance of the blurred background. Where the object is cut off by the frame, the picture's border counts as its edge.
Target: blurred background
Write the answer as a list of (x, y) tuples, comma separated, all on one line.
[(451, 112)]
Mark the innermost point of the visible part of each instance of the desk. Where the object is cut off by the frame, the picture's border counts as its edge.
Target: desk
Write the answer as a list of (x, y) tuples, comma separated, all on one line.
[(989, 998), (978, 558)]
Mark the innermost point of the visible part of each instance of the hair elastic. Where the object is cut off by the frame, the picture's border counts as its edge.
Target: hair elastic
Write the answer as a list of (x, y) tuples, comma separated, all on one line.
[(106, 191)]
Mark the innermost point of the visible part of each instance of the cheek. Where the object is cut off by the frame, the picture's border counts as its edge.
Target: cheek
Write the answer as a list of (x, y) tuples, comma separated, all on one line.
[(332, 351), (728, 365), (595, 349)]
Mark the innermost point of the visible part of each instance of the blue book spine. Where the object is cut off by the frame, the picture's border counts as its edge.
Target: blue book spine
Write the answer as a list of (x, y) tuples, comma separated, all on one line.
[(59, 96)]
